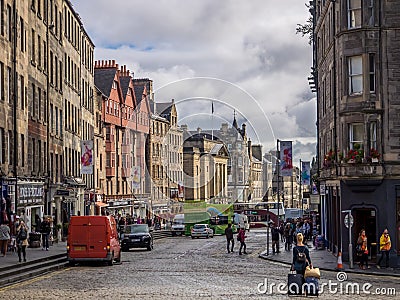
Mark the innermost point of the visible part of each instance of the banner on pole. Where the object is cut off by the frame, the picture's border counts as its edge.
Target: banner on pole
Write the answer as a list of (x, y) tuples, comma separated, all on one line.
[(286, 163), (305, 172), (87, 157), (135, 177)]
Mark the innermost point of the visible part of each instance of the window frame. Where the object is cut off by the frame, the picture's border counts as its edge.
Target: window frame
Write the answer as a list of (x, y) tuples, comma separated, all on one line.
[(352, 140), (351, 14), (353, 73)]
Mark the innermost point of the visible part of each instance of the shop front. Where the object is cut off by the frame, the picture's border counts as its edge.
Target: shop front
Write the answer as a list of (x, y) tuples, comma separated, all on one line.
[(30, 202), (121, 207)]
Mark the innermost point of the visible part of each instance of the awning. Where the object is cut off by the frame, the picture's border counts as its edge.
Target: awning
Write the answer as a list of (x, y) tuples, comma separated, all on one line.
[(101, 204)]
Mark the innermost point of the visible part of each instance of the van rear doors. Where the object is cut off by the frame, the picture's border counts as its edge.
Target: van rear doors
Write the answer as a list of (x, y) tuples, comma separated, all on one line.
[(92, 238)]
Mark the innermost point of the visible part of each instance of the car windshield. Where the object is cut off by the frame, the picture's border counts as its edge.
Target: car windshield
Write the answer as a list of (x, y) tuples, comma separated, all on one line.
[(137, 229), (199, 226)]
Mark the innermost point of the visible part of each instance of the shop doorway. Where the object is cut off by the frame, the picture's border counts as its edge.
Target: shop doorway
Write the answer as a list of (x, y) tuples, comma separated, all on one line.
[(365, 218), (36, 217)]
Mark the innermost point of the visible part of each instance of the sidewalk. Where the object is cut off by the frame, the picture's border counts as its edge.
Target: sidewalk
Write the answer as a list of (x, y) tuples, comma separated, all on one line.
[(325, 260), (32, 254)]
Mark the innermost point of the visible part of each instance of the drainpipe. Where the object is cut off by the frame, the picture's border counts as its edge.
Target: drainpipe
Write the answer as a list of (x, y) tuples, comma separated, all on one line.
[(15, 100)]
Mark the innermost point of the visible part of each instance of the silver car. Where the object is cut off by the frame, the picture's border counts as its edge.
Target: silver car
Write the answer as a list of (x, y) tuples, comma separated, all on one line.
[(201, 230)]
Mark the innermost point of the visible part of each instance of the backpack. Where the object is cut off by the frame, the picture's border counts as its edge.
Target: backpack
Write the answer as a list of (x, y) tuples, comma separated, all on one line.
[(22, 235), (301, 256)]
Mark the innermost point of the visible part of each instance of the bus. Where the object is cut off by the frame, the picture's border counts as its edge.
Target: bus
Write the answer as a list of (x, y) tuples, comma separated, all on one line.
[(218, 216), (273, 207), (259, 218)]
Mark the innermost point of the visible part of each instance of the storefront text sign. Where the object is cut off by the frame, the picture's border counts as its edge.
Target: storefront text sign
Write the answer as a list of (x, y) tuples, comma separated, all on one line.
[(30, 193)]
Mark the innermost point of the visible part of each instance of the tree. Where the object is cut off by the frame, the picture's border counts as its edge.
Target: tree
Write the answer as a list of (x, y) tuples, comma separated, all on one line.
[(307, 28)]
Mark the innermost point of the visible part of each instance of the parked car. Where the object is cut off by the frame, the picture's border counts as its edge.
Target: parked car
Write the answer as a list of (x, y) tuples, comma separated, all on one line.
[(137, 236), (93, 238), (201, 230)]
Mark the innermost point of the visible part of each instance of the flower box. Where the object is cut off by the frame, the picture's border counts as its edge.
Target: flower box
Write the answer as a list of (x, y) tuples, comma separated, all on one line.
[(374, 160)]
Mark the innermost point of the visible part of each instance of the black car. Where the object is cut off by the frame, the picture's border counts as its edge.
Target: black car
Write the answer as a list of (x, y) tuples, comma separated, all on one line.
[(137, 236)]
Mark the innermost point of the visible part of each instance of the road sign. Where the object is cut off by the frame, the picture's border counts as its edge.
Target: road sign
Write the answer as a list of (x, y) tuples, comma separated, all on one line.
[(346, 221)]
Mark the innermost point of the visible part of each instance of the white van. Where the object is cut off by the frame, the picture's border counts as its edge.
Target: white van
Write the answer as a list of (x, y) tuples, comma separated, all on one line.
[(178, 225), (241, 221)]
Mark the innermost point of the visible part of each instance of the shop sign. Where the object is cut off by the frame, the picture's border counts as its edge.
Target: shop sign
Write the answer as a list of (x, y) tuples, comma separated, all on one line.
[(119, 203), (62, 193), (30, 193)]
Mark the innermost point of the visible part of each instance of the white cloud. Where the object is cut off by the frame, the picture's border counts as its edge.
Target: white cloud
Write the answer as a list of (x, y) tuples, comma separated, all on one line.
[(251, 44)]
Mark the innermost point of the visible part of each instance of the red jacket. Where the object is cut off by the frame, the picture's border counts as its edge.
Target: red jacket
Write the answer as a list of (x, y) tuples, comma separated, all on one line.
[(241, 235)]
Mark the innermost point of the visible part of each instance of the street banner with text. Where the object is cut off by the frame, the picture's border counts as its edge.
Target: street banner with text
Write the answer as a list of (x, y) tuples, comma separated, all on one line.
[(286, 164)]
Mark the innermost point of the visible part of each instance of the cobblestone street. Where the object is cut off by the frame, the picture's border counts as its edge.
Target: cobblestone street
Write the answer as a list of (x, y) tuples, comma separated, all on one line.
[(181, 268)]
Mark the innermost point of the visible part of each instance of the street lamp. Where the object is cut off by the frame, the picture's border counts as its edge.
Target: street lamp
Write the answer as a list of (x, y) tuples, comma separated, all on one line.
[(349, 223)]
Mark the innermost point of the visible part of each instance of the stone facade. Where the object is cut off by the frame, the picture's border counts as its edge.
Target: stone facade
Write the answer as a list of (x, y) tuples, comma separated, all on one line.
[(205, 166), (355, 59), (165, 160), (46, 65)]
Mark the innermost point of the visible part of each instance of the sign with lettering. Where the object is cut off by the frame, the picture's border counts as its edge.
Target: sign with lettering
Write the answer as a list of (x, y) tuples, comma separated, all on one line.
[(30, 193)]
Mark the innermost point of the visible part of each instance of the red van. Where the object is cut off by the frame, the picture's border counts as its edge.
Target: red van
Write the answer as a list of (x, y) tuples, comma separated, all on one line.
[(93, 238)]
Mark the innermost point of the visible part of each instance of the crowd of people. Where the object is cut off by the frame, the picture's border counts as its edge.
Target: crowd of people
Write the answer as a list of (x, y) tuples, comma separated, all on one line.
[(16, 238)]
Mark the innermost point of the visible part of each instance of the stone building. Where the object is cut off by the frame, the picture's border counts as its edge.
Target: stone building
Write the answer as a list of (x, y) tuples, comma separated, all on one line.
[(356, 69), (46, 66), (239, 163), (126, 121), (164, 161), (256, 173), (205, 165)]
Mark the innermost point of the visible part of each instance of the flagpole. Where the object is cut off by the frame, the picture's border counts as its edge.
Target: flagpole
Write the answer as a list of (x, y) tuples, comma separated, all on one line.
[(301, 194), (212, 120)]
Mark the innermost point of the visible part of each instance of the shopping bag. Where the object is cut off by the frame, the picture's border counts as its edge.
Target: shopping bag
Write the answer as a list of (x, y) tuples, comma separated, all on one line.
[(311, 287), (295, 284), (312, 272)]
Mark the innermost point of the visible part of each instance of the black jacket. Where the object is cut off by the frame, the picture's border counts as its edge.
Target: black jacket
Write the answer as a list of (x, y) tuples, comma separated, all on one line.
[(45, 227), (229, 233)]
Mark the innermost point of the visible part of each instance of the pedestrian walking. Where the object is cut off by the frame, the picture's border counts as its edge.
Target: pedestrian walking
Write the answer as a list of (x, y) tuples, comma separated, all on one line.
[(281, 228), (384, 246), (45, 231), (229, 238), (362, 250), (301, 256), (22, 240), (241, 238), (4, 238), (275, 240)]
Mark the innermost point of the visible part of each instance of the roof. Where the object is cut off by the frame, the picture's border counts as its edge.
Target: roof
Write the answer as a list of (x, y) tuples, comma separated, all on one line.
[(124, 85), (103, 79), (163, 108), (138, 90), (216, 148)]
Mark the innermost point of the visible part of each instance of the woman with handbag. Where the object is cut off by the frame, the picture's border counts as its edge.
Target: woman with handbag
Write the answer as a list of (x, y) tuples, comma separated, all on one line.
[(301, 256), (22, 240), (362, 250)]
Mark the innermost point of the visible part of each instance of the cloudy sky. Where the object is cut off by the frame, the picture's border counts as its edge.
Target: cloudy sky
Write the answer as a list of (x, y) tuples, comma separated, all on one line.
[(242, 56)]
